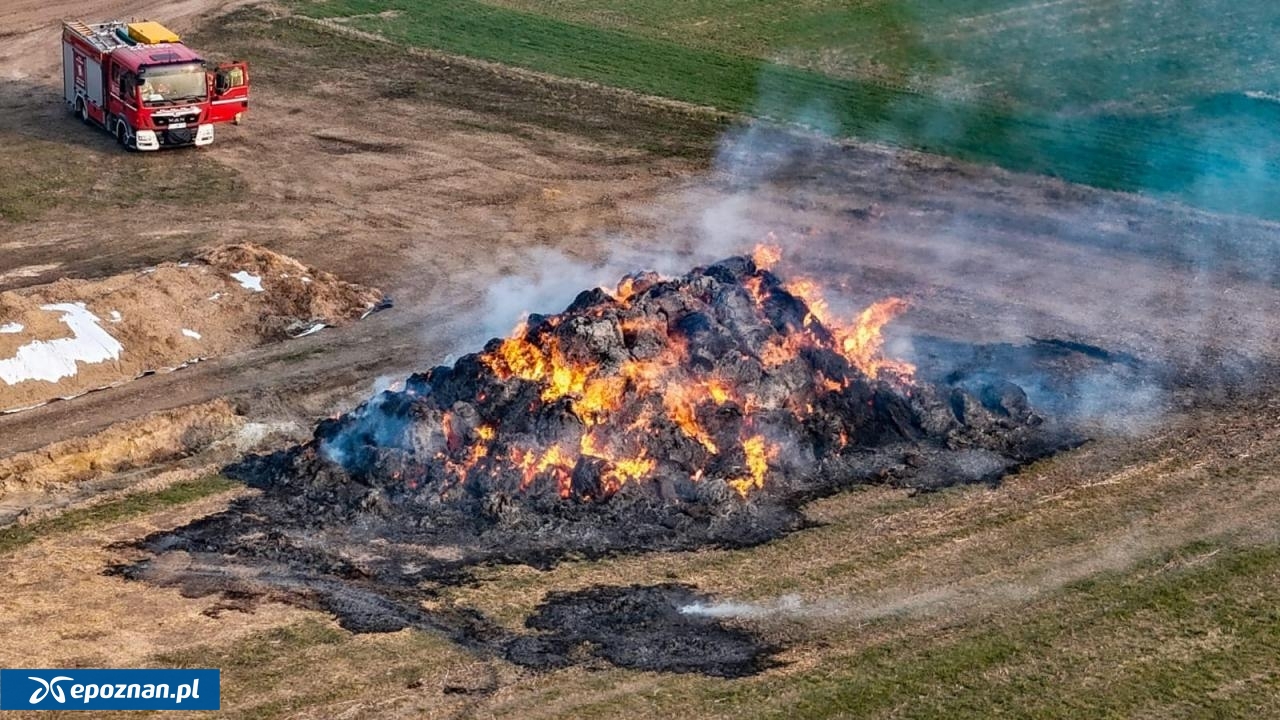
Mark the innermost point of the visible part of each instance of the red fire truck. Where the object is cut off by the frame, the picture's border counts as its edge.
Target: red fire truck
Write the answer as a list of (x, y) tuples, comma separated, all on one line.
[(138, 80)]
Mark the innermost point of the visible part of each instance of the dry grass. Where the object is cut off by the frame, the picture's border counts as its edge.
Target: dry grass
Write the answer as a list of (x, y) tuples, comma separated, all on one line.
[(60, 610)]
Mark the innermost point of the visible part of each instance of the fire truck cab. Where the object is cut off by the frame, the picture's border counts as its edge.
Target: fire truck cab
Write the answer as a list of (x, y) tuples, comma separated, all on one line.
[(139, 82)]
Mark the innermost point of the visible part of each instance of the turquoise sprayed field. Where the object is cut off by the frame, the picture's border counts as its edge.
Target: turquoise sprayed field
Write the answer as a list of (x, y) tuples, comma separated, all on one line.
[(1129, 95)]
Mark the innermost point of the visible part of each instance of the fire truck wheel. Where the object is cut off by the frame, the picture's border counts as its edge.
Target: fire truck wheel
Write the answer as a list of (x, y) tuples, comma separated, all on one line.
[(124, 136), (83, 111)]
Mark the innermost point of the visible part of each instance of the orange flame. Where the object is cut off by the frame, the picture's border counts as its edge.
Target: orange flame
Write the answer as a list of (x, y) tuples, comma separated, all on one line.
[(719, 392), (554, 460), (758, 453), (600, 396), (561, 464), (681, 403), (755, 286), (766, 255), (626, 470), (642, 323), (517, 357), (626, 289), (864, 344), (779, 352), (621, 470), (811, 293)]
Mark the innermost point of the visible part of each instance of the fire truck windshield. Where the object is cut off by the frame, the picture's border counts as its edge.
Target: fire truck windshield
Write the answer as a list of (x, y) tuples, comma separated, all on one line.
[(173, 83)]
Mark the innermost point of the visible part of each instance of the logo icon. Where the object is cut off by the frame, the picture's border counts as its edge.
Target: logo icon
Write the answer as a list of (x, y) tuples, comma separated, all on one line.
[(48, 687)]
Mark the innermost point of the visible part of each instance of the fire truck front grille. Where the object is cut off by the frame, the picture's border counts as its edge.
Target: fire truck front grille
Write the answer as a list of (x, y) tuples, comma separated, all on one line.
[(162, 122)]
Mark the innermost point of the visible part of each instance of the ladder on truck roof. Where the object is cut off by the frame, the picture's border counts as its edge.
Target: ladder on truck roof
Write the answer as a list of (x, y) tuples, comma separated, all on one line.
[(102, 36)]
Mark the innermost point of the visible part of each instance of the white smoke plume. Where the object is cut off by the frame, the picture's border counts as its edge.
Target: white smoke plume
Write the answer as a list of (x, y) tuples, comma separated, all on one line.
[(966, 595)]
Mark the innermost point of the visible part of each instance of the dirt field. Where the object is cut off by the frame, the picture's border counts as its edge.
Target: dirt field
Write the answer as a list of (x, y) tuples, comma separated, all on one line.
[(423, 200), (440, 180)]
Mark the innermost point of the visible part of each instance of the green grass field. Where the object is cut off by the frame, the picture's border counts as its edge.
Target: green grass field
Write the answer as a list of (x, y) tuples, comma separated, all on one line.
[(1127, 95), (1069, 54)]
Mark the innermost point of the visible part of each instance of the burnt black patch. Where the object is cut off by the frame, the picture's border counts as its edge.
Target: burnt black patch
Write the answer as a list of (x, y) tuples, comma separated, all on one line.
[(643, 627)]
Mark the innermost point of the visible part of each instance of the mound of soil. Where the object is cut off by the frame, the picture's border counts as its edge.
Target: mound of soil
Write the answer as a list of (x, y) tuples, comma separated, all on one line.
[(72, 336)]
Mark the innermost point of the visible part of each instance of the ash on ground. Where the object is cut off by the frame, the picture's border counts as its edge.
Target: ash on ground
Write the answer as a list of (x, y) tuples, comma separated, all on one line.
[(640, 627)]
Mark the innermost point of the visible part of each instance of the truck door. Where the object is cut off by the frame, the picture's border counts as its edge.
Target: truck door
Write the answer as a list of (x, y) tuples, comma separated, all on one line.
[(89, 75), (230, 92)]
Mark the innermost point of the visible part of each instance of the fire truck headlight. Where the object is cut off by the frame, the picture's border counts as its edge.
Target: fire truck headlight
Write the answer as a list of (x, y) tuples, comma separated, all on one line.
[(146, 140), (204, 135)]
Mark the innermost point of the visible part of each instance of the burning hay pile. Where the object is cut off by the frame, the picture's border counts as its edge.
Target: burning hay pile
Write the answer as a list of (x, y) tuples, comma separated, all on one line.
[(670, 413)]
